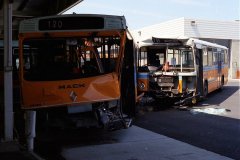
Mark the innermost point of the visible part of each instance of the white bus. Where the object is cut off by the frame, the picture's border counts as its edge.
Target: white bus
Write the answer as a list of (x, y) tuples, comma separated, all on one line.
[(181, 70)]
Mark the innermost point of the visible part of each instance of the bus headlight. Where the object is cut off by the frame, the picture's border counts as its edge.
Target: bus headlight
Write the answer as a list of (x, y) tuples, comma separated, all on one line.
[(141, 85)]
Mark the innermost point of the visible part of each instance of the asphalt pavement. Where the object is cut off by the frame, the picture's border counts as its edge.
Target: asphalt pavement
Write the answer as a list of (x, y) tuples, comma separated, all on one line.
[(158, 135), (13, 151), (137, 143), (214, 124)]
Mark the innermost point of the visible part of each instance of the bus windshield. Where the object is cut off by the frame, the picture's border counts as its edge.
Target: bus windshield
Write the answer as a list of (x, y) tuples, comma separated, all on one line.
[(70, 58), (176, 58), (180, 58)]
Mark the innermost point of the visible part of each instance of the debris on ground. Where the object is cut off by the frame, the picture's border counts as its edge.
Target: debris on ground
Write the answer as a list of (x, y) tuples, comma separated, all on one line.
[(214, 111)]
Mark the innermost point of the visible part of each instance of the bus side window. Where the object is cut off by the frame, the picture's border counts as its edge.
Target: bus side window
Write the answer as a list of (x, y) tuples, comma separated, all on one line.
[(17, 63), (222, 57), (205, 57), (226, 57), (27, 63), (215, 58), (210, 57), (1, 61)]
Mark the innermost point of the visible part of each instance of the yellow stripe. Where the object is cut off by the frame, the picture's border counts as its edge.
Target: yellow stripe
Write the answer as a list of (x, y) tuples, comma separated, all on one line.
[(180, 86)]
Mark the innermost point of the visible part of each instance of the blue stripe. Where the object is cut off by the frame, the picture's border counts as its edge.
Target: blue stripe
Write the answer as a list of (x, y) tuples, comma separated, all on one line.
[(143, 75), (214, 67)]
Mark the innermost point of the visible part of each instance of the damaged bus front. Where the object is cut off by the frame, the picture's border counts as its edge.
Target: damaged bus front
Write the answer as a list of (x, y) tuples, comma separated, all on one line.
[(167, 69)]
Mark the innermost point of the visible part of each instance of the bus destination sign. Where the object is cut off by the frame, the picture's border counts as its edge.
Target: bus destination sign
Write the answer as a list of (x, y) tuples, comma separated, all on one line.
[(71, 23), (161, 40)]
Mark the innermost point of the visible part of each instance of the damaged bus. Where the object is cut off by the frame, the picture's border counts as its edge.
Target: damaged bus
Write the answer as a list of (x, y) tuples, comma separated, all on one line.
[(80, 71), (181, 71)]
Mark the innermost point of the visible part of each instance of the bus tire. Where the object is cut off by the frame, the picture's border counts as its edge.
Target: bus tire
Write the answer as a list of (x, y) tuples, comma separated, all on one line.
[(205, 89), (222, 83)]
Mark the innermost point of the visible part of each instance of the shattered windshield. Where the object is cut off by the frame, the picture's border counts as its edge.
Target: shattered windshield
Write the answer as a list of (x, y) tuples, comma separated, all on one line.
[(166, 59), (180, 58), (72, 58)]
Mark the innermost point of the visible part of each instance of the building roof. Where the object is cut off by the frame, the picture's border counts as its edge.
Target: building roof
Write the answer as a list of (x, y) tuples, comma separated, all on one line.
[(23, 9), (195, 28)]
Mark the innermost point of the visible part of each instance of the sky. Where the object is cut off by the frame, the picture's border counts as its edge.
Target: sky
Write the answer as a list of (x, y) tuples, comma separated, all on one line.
[(142, 13)]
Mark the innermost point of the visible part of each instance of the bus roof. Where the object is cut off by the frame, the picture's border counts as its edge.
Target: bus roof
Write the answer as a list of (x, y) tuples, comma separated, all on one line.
[(73, 22), (178, 41), (200, 43)]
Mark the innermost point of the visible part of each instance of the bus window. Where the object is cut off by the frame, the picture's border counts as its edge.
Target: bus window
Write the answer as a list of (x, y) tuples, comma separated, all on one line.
[(175, 55), (142, 57), (172, 57), (187, 59), (161, 58), (71, 60), (215, 56), (108, 52), (210, 57), (17, 63), (1, 59), (226, 57), (222, 57), (205, 57)]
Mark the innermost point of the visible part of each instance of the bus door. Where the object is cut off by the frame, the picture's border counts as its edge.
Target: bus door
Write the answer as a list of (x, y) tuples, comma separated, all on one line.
[(219, 67), (128, 81), (199, 62)]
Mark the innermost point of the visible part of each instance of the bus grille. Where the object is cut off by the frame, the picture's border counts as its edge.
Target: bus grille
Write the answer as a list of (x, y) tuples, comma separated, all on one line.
[(165, 80)]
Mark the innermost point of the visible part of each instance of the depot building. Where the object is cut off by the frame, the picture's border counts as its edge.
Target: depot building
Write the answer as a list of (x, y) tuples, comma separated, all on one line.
[(226, 33)]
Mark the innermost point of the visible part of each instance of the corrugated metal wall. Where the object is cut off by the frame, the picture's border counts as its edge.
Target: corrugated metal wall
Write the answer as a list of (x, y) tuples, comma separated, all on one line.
[(211, 29), (235, 61), (169, 29), (193, 28)]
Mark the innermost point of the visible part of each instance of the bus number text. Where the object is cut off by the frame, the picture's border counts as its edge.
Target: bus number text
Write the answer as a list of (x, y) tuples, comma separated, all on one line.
[(55, 24)]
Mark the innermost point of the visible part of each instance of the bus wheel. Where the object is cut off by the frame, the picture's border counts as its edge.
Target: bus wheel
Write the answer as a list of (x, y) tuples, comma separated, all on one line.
[(205, 90), (194, 101), (222, 83)]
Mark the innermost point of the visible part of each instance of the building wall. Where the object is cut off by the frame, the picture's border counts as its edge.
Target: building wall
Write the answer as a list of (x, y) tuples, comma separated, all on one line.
[(235, 59), (169, 29), (211, 29)]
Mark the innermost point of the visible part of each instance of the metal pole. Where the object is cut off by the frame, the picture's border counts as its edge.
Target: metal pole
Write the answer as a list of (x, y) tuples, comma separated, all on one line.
[(30, 129), (8, 88)]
